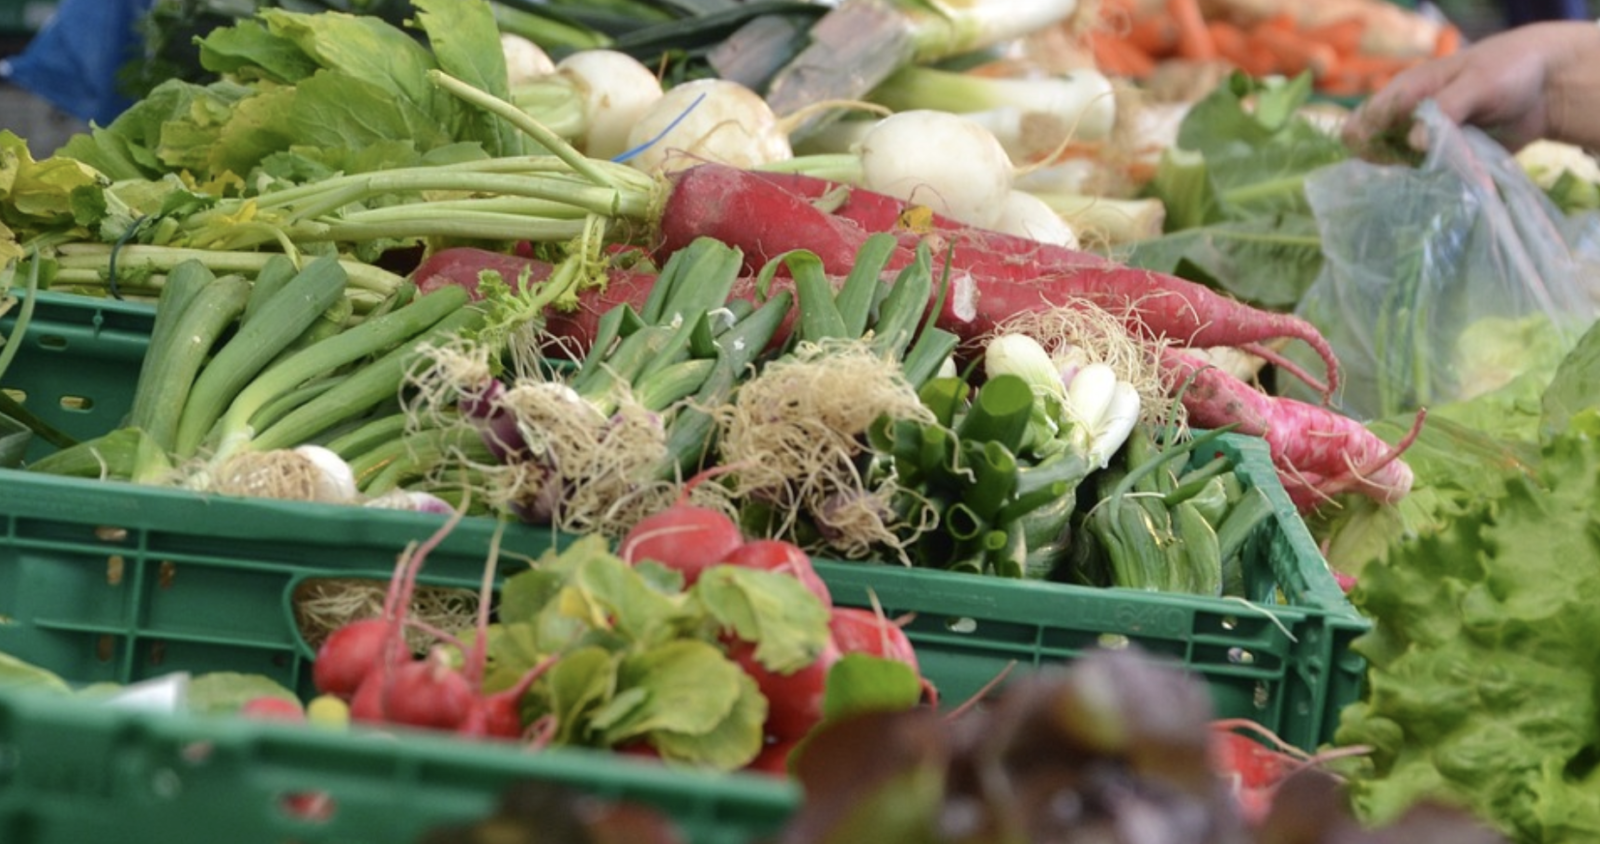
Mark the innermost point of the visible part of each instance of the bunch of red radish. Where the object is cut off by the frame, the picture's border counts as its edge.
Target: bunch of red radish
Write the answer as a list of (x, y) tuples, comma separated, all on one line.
[(369, 664), (691, 539)]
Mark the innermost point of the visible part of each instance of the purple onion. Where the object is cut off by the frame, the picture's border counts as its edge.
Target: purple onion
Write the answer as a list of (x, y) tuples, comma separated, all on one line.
[(497, 424)]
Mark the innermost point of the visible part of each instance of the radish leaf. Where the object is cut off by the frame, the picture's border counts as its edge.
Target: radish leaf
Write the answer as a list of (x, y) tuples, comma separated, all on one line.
[(787, 623)]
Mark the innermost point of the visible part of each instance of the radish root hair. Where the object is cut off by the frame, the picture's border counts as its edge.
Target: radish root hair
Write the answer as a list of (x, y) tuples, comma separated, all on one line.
[(282, 474), (585, 472), (1103, 338), (797, 431), (324, 604)]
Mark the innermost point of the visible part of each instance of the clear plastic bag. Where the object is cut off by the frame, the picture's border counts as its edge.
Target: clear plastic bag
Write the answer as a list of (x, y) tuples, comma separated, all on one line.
[(1448, 279)]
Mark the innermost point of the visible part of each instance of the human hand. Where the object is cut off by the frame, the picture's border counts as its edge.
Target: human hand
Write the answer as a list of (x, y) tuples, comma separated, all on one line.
[(1518, 86)]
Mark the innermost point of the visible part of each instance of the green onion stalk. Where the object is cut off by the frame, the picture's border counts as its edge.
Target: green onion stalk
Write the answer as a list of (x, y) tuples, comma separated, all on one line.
[(594, 446), (1004, 460)]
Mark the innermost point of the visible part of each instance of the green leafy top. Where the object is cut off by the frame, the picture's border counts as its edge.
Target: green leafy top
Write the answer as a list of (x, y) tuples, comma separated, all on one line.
[(321, 86), (1237, 216), (36, 196), (638, 659), (1484, 679)]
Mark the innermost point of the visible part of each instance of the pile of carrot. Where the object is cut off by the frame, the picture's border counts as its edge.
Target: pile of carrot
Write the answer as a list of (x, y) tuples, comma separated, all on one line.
[(1135, 36)]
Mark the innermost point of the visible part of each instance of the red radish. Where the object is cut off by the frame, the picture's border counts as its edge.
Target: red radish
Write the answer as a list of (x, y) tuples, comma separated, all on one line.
[(367, 704), (780, 556), (640, 748), (683, 537), (273, 709), (499, 715), (311, 806), (376, 659), (429, 693), (794, 700), (1318, 452), (774, 757), (1346, 582), (858, 630), (348, 655), (765, 216), (1253, 769)]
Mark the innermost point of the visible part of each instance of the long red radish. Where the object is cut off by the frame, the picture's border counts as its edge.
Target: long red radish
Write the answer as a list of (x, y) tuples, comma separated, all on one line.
[(1319, 452), (461, 266), (765, 215)]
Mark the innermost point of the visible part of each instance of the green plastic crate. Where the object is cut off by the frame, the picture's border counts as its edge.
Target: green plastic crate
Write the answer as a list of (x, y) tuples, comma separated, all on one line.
[(113, 582), (79, 362), (103, 581), (1286, 665), (73, 772)]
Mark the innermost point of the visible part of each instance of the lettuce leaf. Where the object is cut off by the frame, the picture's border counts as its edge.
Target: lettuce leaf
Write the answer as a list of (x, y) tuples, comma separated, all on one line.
[(1483, 686), (1483, 683)]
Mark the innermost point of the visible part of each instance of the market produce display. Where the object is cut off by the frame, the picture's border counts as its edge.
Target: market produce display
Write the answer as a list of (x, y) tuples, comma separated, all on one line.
[(703, 292)]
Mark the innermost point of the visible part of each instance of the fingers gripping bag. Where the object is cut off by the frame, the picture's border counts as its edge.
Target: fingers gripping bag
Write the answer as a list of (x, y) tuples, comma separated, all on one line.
[(1446, 279)]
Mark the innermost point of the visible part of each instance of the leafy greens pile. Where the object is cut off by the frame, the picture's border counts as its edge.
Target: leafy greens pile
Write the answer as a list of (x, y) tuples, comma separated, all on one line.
[(306, 95), (1484, 679), (1237, 216)]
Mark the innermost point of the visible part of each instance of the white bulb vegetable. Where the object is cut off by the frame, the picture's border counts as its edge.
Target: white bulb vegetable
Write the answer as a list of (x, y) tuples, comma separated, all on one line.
[(1026, 215), (732, 125), (525, 60), (941, 160), (617, 92)]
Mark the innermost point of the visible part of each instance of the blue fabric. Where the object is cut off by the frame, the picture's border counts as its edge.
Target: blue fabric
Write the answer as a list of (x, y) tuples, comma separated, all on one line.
[(73, 61)]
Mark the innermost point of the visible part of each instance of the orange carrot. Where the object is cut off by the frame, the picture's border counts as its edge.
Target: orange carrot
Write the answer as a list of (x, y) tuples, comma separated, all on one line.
[(1343, 35), (1363, 74), (1282, 21), (1153, 35), (1194, 40), (1232, 44), (1295, 53), (1114, 56)]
